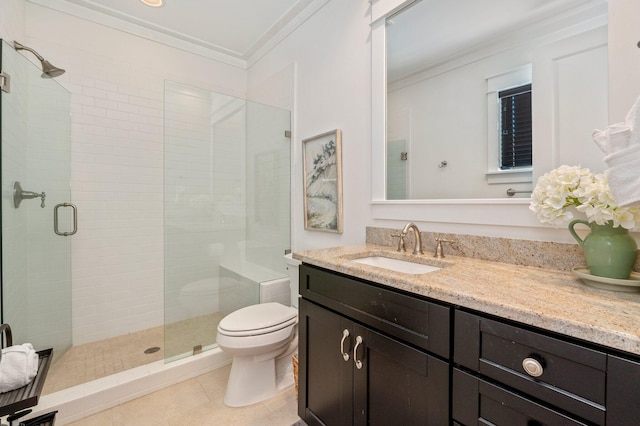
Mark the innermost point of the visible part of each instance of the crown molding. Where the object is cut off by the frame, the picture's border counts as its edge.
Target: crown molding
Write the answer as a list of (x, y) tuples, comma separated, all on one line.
[(295, 17), (94, 12)]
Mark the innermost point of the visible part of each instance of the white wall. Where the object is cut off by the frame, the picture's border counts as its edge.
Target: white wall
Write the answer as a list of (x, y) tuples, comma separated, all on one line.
[(332, 57), (12, 17), (624, 56)]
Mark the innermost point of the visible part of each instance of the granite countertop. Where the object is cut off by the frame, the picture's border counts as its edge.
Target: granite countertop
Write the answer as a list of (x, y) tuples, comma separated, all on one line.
[(549, 299)]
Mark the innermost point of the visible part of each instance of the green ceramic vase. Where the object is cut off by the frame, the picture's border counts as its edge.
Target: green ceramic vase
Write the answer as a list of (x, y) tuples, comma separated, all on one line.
[(610, 252)]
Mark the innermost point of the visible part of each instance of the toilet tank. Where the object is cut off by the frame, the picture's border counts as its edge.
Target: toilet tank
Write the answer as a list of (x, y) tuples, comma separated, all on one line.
[(294, 279)]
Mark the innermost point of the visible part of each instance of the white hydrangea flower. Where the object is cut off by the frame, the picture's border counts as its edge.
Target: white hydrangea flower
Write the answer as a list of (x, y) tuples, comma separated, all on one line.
[(574, 186)]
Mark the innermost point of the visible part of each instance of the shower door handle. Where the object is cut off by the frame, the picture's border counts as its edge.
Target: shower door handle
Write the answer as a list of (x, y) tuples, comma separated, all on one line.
[(55, 219)]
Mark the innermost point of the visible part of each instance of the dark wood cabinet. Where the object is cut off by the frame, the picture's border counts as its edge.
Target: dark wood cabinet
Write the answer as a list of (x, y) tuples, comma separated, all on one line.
[(371, 354), (351, 373), (519, 376)]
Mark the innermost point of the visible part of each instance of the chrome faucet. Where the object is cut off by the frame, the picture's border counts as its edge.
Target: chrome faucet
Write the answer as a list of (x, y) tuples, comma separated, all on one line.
[(417, 248)]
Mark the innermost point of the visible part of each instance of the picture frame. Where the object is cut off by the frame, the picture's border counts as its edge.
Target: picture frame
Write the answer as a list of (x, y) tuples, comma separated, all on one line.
[(322, 174)]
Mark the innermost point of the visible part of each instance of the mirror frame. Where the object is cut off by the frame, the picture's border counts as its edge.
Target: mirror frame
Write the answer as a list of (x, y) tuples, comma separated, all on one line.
[(512, 211)]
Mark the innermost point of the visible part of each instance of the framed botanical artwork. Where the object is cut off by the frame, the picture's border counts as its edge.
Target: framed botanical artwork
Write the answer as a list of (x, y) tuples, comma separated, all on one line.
[(322, 163)]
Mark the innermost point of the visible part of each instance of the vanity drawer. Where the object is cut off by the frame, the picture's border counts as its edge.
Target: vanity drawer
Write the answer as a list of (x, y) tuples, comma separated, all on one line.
[(415, 321), (476, 401), (571, 377)]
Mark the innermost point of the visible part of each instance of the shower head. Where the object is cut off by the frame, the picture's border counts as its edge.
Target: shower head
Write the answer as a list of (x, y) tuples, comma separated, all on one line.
[(48, 70)]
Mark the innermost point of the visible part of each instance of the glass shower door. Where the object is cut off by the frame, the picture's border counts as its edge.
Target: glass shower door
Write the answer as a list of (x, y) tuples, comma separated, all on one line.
[(35, 151), (227, 209)]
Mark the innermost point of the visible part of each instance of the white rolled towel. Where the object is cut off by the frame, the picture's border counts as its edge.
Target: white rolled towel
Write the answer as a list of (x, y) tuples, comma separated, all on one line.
[(623, 176), (18, 366)]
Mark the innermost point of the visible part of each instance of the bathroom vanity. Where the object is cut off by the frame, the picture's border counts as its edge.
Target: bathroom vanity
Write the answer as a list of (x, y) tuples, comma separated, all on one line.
[(475, 342)]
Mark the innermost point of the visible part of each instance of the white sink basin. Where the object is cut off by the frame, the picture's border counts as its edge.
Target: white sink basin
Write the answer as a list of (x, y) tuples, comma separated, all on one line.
[(397, 265)]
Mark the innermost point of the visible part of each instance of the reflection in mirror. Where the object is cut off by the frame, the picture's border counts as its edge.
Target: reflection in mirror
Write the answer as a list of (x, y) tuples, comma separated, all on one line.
[(454, 124)]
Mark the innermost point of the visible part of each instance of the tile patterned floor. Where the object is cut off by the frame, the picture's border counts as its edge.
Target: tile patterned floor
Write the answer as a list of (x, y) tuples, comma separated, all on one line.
[(91, 361), (197, 402)]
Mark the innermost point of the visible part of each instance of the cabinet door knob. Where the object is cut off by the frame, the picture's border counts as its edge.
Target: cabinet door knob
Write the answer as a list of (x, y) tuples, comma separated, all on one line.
[(355, 353), (345, 334), (532, 367)]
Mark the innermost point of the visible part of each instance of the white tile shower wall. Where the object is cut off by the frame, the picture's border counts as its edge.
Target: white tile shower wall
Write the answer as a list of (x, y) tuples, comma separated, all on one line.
[(117, 185), (117, 85)]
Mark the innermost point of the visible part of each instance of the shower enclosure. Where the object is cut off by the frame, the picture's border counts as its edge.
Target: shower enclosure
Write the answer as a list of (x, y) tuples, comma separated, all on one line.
[(226, 214)]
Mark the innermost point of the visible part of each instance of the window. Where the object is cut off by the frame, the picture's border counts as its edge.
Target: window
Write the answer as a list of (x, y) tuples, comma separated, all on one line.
[(505, 164), (515, 127)]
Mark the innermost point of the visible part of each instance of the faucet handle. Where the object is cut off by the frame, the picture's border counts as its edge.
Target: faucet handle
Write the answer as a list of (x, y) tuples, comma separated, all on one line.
[(439, 253), (401, 245)]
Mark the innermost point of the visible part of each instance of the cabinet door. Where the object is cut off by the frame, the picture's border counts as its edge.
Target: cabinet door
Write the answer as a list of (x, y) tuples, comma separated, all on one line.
[(324, 377), (623, 392), (395, 384)]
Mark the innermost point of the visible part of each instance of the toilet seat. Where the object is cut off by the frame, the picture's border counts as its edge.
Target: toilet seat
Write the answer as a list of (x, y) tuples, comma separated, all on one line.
[(258, 319)]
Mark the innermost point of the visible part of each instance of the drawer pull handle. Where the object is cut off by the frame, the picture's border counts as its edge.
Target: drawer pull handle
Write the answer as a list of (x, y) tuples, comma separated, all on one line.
[(533, 367), (345, 355), (355, 353)]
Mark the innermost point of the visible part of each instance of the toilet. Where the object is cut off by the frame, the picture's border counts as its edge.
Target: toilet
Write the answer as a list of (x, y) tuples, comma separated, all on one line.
[(261, 339)]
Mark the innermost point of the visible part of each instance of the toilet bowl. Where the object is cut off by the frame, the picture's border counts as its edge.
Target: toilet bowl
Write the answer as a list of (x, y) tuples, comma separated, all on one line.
[(261, 338)]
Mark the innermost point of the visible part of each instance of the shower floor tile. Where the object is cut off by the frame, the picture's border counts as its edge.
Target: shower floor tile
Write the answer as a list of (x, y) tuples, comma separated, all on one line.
[(83, 363)]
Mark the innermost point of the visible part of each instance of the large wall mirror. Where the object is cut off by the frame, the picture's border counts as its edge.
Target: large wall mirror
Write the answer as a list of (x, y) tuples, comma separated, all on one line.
[(449, 71)]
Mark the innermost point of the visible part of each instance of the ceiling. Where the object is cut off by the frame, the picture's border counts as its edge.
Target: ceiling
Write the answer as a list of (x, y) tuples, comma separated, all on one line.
[(233, 31)]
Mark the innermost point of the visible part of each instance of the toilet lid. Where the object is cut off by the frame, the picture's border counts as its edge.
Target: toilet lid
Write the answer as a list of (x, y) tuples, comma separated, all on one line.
[(260, 318)]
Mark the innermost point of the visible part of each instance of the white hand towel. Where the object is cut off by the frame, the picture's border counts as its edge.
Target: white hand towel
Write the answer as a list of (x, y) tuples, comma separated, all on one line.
[(18, 366), (623, 175), (621, 135), (614, 138), (621, 144)]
